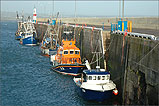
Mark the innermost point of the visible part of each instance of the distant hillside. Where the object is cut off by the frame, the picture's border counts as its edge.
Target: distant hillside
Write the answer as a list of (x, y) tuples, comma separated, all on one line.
[(8, 15), (12, 15)]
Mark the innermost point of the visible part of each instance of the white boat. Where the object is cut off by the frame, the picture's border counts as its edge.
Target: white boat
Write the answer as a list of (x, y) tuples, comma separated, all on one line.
[(29, 33), (95, 85)]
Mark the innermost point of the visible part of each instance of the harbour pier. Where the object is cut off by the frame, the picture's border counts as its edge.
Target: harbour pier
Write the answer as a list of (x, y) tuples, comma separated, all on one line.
[(133, 64)]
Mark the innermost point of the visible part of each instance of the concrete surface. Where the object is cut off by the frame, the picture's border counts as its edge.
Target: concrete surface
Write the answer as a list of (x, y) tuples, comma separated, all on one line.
[(146, 25)]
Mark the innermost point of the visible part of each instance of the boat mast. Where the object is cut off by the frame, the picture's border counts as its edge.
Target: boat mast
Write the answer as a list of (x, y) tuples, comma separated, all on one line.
[(123, 11), (98, 56), (119, 8), (22, 15), (75, 21), (52, 9), (51, 38)]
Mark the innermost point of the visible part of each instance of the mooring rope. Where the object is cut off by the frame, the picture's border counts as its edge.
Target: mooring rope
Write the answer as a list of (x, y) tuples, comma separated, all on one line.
[(139, 63), (142, 65)]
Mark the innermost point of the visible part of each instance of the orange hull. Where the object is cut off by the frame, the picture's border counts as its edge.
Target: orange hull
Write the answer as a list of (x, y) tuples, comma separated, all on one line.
[(46, 55)]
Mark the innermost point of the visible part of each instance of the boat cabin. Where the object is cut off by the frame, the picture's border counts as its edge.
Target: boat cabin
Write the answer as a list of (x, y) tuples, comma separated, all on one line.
[(94, 76), (68, 53)]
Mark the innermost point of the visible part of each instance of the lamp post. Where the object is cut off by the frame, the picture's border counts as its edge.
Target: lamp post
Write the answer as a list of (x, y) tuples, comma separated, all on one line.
[(119, 9), (123, 11)]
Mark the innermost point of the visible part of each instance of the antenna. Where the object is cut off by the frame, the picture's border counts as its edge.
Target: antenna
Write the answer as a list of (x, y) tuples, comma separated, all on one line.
[(75, 9), (52, 8), (22, 15), (17, 15), (97, 53)]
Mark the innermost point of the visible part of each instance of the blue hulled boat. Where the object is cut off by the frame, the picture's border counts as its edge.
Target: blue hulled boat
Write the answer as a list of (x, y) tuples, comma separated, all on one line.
[(69, 69), (29, 33), (29, 39), (95, 85)]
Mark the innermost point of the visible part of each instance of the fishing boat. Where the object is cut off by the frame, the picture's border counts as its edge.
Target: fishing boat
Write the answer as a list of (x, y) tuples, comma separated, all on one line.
[(49, 43), (95, 84), (46, 47), (67, 60), (29, 33)]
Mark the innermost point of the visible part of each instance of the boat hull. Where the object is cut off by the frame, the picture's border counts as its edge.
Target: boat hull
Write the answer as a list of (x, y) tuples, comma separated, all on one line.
[(29, 41), (18, 37), (47, 52), (99, 96), (69, 69)]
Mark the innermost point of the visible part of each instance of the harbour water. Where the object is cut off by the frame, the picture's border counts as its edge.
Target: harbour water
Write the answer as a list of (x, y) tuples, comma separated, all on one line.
[(26, 77)]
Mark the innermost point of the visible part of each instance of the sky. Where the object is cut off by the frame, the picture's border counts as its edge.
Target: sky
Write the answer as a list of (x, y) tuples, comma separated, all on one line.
[(84, 8)]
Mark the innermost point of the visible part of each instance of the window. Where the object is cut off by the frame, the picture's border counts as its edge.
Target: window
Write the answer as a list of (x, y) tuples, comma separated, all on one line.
[(94, 77), (71, 52), (76, 52), (103, 77), (90, 77), (99, 77), (60, 52), (65, 52), (84, 77), (75, 59), (87, 77), (106, 77), (71, 60)]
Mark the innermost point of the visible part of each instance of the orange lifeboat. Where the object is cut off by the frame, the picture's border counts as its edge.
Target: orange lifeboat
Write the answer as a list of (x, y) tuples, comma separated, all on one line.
[(68, 59)]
